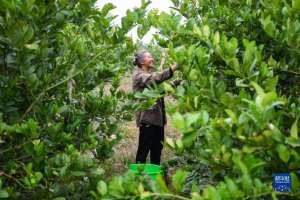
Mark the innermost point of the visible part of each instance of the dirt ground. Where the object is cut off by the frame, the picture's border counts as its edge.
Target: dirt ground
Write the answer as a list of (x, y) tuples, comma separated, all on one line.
[(125, 151)]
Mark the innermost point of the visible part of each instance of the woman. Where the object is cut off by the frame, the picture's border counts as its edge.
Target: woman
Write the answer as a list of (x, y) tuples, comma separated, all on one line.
[(151, 121)]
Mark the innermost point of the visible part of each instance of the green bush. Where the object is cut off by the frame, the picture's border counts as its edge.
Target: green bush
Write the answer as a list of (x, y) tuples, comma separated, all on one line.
[(238, 108), (60, 68)]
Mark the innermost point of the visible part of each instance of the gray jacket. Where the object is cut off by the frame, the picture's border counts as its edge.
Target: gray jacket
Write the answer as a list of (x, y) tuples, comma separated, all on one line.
[(155, 115)]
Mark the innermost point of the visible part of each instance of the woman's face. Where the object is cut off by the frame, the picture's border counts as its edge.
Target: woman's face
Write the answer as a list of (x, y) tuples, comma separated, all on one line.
[(148, 60)]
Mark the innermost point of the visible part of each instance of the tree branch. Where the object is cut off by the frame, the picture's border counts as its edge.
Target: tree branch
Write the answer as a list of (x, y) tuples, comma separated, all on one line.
[(59, 83)]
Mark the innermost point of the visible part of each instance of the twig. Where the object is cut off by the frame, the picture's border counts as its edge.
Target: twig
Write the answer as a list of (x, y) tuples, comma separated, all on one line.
[(57, 84), (177, 9), (13, 178), (32, 104), (291, 72), (172, 196), (15, 147)]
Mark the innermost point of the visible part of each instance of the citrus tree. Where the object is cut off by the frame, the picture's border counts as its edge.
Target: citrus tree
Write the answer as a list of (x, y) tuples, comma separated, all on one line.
[(238, 106), (60, 67), (238, 110)]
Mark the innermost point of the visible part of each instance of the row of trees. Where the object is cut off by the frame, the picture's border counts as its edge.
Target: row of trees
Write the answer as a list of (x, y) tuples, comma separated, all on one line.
[(237, 109)]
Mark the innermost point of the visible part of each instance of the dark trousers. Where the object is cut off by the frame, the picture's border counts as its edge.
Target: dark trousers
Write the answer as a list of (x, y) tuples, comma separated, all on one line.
[(151, 139)]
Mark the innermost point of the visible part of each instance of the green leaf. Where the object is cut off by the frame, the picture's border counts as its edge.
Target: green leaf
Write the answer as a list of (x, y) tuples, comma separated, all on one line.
[(233, 188), (283, 153), (106, 8), (32, 46), (206, 31), (216, 38), (3, 194), (296, 5), (30, 3), (270, 83), (189, 138), (196, 196), (59, 198), (204, 117), (268, 98), (97, 171), (115, 187), (294, 130), (231, 46), (258, 89), (168, 87), (161, 184), (269, 26), (28, 168), (292, 142), (145, 195), (191, 118), (234, 63), (295, 182), (193, 75), (274, 197), (178, 180), (170, 142), (102, 188), (179, 144), (38, 176), (129, 20), (143, 30), (197, 31), (211, 193), (178, 121), (247, 183), (236, 158), (29, 34), (145, 3), (259, 186), (231, 115), (78, 173)]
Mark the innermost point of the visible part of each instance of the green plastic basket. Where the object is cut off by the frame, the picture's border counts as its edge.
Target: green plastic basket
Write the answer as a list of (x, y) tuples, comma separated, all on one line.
[(152, 170)]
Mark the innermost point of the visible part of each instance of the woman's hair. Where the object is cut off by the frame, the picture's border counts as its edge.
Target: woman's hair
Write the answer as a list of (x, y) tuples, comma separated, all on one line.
[(139, 58)]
